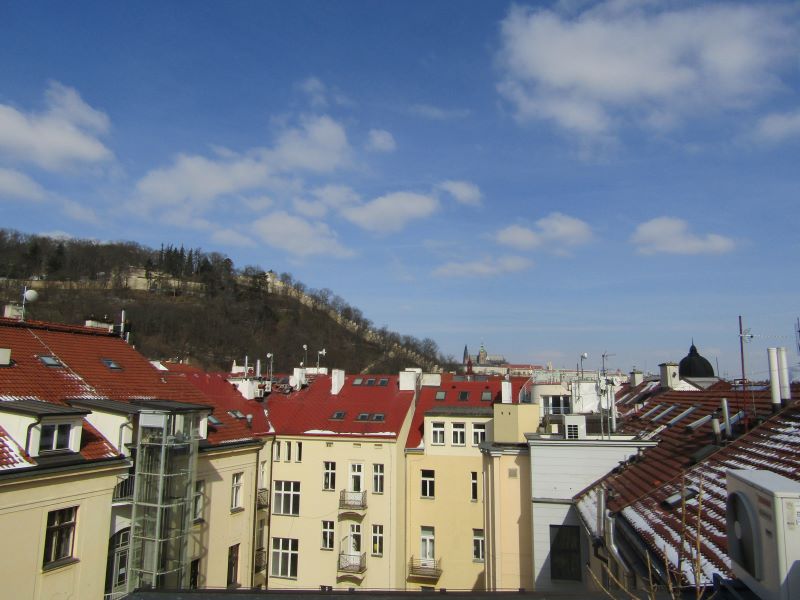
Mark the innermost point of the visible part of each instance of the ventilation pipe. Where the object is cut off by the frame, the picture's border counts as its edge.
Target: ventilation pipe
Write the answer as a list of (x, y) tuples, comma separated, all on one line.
[(505, 392), (726, 418), (612, 404), (337, 381), (258, 368), (715, 429), (783, 376), (774, 379)]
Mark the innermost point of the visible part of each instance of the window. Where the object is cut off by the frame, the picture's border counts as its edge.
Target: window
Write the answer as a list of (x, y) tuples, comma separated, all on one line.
[(377, 540), (378, 417), (111, 364), (463, 395), (371, 381), (60, 535), (355, 538), (327, 535), (473, 486), (377, 478), (214, 421), (437, 434), (565, 552), (428, 483), (284, 557), (50, 361), (54, 437), (478, 433), (236, 490), (194, 574), (441, 395), (198, 502), (288, 452), (383, 382), (356, 470), (287, 498), (119, 550), (486, 396), (358, 381), (276, 451), (233, 565), (427, 546), (299, 457), (329, 475), (262, 475), (262, 527), (338, 415), (556, 405), (572, 431), (478, 544), (459, 434), (362, 417)]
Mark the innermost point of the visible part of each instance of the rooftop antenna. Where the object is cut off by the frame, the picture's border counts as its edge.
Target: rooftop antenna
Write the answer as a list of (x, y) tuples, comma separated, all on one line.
[(322, 352), (28, 295), (604, 356)]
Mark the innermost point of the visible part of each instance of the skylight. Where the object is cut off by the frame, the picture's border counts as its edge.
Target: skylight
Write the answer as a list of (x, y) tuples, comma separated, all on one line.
[(378, 417), (214, 420), (362, 417), (236, 414), (383, 382), (338, 415), (371, 381), (463, 395), (50, 361), (358, 381), (441, 395), (486, 396), (111, 364), (676, 498)]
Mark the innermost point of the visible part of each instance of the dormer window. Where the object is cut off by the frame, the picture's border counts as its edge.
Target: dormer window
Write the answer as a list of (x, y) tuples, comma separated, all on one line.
[(54, 437), (50, 361)]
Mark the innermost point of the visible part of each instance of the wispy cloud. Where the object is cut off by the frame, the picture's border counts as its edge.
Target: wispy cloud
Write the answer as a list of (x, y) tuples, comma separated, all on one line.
[(485, 267), (298, 236), (653, 65), (778, 127), (437, 113), (391, 212), (231, 237), (319, 145), (556, 232), (380, 140), (18, 186), (65, 134), (672, 236), (464, 192)]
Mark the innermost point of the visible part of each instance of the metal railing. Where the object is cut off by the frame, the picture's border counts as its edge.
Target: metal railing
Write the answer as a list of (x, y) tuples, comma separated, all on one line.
[(352, 500), (123, 491), (430, 568), (261, 560), (262, 500), (352, 563)]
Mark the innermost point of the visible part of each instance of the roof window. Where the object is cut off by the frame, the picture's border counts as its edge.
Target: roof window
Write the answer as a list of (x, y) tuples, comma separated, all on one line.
[(486, 396), (680, 496), (371, 381), (236, 414), (463, 395), (383, 382), (111, 364), (378, 417), (362, 417), (358, 381), (50, 361), (214, 420), (338, 415), (441, 395)]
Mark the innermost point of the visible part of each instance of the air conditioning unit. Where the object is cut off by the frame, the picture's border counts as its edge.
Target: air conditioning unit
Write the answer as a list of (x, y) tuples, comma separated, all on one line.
[(763, 513)]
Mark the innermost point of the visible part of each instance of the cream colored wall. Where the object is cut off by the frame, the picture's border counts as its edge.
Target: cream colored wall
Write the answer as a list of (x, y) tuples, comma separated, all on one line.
[(508, 516), (221, 527), (316, 566), (24, 505), (513, 421), (111, 425)]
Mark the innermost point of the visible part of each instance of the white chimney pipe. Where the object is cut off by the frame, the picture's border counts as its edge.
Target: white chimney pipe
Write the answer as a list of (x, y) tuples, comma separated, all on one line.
[(337, 381), (726, 418), (505, 392), (258, 368), (246, 366), (783, 376), (774, 381)]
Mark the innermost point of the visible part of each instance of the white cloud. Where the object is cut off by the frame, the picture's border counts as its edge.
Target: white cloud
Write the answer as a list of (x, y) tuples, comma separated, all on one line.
[(64, 134), (310, 208), (391, 212), (380, 140), (653, 64), (201, 179), (463, 191), (556, 232), (319, 145), (336, 196), (486, 267), (230, 237), (79, 212), (778, 127), (298, 236), (315, 90), (671, 236), (436, 113), (19, 186)]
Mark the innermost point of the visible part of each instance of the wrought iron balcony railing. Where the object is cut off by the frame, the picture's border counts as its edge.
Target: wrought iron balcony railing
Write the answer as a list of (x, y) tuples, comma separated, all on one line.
[(123, 491), (352, 500), (262, 499), (429, 568), (352, 563), (261, 561)]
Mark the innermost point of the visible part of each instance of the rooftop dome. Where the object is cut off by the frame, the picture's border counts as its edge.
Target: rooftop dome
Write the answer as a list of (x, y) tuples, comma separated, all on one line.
[(694, 365)]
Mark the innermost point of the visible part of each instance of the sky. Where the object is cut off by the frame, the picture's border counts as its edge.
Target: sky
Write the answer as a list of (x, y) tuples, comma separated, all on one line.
[(547, 179)]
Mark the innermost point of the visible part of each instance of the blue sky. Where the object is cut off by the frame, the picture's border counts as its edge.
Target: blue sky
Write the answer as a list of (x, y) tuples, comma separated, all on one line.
[(546, 178)]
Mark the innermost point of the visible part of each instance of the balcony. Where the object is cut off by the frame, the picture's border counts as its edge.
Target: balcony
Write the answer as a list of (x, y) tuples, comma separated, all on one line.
[(261, 561), (262, 500), (427, 568), (123, 491), (352, 500), (352, 563)]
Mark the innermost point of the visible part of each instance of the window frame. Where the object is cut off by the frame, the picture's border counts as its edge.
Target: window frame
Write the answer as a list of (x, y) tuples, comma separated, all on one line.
[(437, 433), (237, 483), (377, 539), (287, 498), (458, 433), (57, 442), (378, 478), (474, 489), (328, 476), (427, 483), (288, 550), (59, 536), (478, 433), (232, 576), (199, 500), (478, 545), (328, 535)]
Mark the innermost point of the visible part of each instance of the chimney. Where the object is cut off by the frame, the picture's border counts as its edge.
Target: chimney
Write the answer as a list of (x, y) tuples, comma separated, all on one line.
[(774, 379), (5, 357), (505, 392), (635, 378), (783, 377), (669, 375), (258, 368), (299, 377), (715, 428), (408, 380), (337, 381), (726, 418)]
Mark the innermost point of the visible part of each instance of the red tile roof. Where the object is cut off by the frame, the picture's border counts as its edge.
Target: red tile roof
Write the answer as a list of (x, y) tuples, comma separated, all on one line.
[(309, 411), (11, 455), (452, 386)]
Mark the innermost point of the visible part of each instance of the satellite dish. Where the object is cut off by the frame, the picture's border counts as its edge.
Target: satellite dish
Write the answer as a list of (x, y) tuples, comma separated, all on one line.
[(31, 295)]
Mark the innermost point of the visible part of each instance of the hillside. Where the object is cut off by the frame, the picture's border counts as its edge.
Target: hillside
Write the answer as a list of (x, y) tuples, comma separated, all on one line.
[(197, 306)]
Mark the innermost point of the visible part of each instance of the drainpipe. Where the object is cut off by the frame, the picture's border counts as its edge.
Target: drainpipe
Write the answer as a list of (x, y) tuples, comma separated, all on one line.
[(28, 436)]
